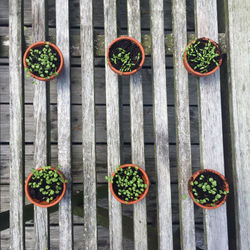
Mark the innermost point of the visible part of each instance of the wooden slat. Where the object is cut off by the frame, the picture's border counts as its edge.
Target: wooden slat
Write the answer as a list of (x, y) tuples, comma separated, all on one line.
[(40, 123), (113, 126), (99, 86), (239, 91), (216, 234), (98, 10), (184, 161), (100, 124), (64, 123), (16, 125), (160, 116), (99, 43), (101, 160), (137, 128), (88, 121)]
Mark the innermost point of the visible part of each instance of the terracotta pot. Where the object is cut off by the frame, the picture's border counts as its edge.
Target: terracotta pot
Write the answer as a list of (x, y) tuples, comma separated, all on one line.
[(44, 203), (144, 177), (193, 72), (142, 53), (208, 206), (39, 44)]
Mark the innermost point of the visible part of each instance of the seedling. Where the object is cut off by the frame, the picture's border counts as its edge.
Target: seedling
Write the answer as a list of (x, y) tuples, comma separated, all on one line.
[(202, 54), (206, 190), (128, 183), (124, 58), (46, 183), (42, 62)]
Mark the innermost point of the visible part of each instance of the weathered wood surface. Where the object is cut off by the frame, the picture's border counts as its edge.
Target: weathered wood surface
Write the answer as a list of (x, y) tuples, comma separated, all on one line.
[(183, 138), (88, 121), (99, 85), (137, 127), (40, 124), (113, 125), (101, 129), (101, 161), (239, 92), (102, 196), (16, 135), (103, 243), (98, 14), (64, 123), (98, 42), (216, 233), (160, 117)]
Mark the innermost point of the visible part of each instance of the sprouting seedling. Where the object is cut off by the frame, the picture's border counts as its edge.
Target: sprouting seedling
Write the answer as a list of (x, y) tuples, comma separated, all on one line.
[(209, 188), (138, 56), (124, 58), (42, 62), (203, 57), (184, 197), (129, 183), (47, 181)]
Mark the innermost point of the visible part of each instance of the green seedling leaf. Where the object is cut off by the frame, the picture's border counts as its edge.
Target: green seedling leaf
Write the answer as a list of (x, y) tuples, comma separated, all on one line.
[(184, 197)]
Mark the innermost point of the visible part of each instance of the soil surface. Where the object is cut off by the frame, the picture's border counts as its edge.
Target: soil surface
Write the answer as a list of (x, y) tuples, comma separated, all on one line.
[(35, 60), (203, 195), (115, 188), (212, 65), (36, 194), (129, 46)]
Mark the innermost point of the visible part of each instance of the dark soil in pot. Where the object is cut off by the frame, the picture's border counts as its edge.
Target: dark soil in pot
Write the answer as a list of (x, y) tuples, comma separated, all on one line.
[(34, 61), (115, 188), (201, 46), (36, 194), (203, 195), (130, 47)]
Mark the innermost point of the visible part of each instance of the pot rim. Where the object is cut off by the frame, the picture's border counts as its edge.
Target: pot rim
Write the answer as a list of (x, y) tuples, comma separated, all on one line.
[(146, 181), (195, 175), (38, 44), (141, 49), (44, 203), (192, 71)]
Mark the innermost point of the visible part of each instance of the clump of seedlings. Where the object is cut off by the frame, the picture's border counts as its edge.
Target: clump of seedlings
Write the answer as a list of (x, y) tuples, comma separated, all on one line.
[(125, 56), (208, 189), (46, 184), (42, 61), (128, 184), (202, 55), (124, 59)]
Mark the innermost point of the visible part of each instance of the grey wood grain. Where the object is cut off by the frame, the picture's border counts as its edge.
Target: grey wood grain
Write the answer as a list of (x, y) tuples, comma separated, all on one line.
[(99, 86), (137, 128), (98, 14), (239, 92), (101, 160), (160, 116), (16, 135), (88, 121), (64, 123), (101, 133), (99, 42), (40, 123), (216, 236), (113, 125), (183, 143)]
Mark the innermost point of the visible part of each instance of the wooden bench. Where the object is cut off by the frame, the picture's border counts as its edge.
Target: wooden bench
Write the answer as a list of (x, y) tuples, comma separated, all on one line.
[(234, 42)]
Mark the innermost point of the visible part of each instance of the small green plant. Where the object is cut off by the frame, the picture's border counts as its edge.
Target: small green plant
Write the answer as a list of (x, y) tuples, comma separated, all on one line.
[(202, 56), (208, 189), (41, 62), (47, 182), (127, 183), (124, 58)]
